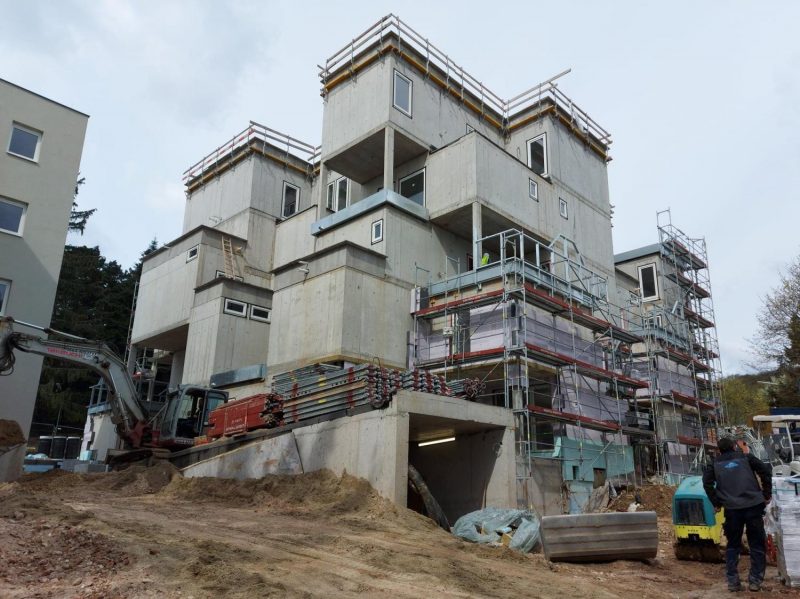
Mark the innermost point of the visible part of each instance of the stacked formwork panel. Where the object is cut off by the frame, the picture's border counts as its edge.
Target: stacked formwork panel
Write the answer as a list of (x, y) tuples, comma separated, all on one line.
[(681, 354), (536, 327)]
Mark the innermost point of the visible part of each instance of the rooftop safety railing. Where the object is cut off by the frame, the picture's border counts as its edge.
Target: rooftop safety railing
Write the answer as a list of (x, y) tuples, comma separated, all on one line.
[(433, 56), (258, 133)]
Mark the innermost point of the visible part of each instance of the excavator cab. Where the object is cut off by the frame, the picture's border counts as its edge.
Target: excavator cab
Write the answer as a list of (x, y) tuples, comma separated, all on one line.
[(186, 415)]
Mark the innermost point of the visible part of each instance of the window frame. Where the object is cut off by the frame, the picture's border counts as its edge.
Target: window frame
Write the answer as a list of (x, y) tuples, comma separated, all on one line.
[(5, 296), (529, 143), (409, 176), (410, 93), (196, 250), (22, 218), (533, 189), (376, 238), (563, 208), (26, 129), (286, 185), (639, 270), (227, 310), (268, 319)]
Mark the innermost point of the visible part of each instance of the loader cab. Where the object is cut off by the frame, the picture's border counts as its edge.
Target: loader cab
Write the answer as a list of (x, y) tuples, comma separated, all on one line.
[(187, 413)]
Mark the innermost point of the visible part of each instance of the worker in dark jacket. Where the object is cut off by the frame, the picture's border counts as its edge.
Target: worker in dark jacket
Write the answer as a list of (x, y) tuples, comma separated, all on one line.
[(731, 482)]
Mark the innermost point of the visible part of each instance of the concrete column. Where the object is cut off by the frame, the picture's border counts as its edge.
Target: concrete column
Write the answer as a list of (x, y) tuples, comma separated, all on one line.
[(388, 159), (477, 234), (323, 191)]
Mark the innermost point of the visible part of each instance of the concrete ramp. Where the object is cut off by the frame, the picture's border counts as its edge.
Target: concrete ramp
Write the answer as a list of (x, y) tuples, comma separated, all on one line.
[(273, 455), (600, 537)]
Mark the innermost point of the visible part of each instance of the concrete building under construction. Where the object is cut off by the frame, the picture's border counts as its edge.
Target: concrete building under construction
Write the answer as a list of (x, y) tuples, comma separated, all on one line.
[(442, 227)]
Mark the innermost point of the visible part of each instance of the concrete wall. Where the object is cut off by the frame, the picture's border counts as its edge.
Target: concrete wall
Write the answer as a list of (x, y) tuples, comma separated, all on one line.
[(32, 260)]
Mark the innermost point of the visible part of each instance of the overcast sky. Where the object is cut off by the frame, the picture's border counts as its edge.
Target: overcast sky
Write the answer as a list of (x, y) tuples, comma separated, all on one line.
[(702, 99)]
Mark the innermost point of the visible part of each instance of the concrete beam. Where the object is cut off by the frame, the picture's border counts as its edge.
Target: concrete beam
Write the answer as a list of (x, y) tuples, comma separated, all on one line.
[(323, 191), (388, 159), (477, 234)]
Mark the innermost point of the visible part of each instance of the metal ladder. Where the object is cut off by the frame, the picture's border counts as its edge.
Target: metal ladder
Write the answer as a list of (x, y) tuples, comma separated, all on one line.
[(227, 251)]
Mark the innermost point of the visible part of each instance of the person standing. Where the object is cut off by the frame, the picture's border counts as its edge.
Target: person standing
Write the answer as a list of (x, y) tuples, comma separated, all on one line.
[(730, 482)]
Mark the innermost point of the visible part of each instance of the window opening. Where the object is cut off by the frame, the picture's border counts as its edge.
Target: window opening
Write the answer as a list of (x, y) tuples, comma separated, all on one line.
[(24, 142), (342, 193), (413, 187), (562, 208), (537, 154), (12, 216), (235, 308), (377, 231), (260, 313), (533, 189), (5, 289), (291, 198), (402, 93), (648, 285), (192, 253)]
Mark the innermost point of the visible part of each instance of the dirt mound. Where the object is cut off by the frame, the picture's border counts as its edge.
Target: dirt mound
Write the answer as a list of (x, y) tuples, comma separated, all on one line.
[(134, 480), (655, 498), (10, 433)]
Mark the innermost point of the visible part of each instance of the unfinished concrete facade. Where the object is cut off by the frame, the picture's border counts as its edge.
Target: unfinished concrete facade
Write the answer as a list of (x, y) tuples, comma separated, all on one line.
[(39, 166), (437, 226)]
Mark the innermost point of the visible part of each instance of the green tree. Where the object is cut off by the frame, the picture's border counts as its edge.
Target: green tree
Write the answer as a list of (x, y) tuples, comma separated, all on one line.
[(744, 397), (79, 218), (786, 393), (780, 305)]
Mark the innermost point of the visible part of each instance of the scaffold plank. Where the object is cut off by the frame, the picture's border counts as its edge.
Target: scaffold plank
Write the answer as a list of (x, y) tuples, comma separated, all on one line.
[(576, 419)]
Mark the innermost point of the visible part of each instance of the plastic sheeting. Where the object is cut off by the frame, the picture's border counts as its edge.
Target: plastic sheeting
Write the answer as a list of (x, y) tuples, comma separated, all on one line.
[(487, 526), (784, 519)]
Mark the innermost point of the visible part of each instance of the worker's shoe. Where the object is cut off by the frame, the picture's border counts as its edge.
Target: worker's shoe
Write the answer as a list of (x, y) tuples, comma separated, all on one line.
[(754, 587), (734, 587)]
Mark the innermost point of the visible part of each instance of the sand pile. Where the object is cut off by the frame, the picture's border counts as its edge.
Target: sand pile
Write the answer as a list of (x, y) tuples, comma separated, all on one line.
[(134, 480), (655, 498), (10, 433)]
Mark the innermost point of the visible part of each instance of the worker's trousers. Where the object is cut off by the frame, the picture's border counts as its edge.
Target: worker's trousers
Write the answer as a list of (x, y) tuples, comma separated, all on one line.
[(751, 518)]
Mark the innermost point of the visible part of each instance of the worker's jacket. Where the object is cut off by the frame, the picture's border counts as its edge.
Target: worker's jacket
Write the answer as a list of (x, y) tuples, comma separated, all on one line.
[(731, 481)]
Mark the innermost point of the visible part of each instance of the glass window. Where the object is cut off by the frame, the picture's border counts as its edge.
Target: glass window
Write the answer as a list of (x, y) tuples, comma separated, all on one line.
[(331, 191), (12, 216), (235, 308), (259, 313), (377, 231), (533, 189), (5, 288), (563, 208), (24, 142), (342, 194), (413, 187), (192, 253), (402, 93), (537, 154), (647, 282), (291, 197)]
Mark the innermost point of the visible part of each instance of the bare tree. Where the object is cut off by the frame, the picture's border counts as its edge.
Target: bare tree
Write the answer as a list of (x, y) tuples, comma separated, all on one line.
[(780, 305)]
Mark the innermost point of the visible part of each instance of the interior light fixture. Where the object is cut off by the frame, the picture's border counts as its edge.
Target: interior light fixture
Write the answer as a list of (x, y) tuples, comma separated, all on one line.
[(445, 440)]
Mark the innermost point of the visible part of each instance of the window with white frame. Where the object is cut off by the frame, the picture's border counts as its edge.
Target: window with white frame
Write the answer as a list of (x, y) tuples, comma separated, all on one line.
[(563, 209), (235, 308), (533, 189), (5, 289), (192, 253), (260, 313), (339, 194), (24, 142), (654, 322), (537, 154), (377, 231), (413, 187), (291, 199), (12, 216), (648, 285), (401, 93)]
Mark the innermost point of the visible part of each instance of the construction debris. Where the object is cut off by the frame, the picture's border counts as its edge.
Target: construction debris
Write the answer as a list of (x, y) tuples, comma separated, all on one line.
[(517, 529)]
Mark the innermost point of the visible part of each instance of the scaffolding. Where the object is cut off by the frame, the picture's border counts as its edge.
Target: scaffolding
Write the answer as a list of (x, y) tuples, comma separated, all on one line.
[(535, 324)]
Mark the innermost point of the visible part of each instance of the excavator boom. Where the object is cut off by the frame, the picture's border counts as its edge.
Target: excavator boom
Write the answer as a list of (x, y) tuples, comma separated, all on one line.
[(128, 414)]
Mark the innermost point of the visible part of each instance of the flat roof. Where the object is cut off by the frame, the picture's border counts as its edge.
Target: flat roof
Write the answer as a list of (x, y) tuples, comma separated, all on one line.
[(43, 97), (647, 250)]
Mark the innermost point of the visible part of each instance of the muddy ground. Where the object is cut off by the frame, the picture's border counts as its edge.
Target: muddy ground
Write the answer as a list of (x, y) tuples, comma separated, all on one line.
[(152, 533)]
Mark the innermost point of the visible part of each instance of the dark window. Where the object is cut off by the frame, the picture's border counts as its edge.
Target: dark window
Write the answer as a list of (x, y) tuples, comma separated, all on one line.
[(690, 512), (537, 154), (11, 216), (259, 313), (23, 142), (647, 281), (413, 187), (341, 194), (377, 231), (291, 195), (5, 286)]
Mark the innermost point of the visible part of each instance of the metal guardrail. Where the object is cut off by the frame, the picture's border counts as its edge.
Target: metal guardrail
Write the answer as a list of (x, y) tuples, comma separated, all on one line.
[(507, 109), (254, 132)]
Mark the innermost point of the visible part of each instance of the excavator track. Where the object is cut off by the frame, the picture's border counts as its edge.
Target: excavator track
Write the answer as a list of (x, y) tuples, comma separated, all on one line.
[(699, 552)]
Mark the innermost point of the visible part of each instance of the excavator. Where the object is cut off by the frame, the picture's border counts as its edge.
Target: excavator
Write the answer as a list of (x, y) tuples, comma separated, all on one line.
[(174, 426)]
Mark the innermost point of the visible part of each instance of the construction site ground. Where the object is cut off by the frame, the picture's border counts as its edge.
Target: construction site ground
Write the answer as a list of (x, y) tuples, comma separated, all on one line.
[(152, 533)]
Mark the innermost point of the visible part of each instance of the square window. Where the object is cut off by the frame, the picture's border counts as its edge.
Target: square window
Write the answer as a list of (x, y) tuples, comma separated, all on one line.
[(12, 216), (235, 308), (562, 208), (537, 154), (413, 187), (648, 286), (260, 313), (192, 253), (291, 199), (377, 231), (5, 288), (402, 93), (533, 189), (24, 142)]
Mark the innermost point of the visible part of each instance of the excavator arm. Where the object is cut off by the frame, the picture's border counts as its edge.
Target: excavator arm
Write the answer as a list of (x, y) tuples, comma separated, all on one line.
[(127, 413)]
